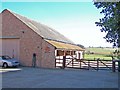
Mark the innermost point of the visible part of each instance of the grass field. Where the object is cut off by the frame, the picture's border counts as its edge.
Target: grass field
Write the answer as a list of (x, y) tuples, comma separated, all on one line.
[(102, 53), (94, 56)]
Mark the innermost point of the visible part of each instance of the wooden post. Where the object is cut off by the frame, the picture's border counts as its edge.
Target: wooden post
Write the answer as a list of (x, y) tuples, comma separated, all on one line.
[(80, 63), (79, 59), (88, 64), (59, 59), (64, 61), (118, 66), (97, 64), (72, 53), (79, 56), (55, 57), (72, 61), (55, 62), (113, 66)]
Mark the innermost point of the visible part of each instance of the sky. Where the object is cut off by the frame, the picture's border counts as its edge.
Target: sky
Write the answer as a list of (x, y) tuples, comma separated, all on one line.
[(75, 20)]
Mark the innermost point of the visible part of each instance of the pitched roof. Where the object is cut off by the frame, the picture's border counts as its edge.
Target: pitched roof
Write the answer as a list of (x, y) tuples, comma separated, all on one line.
[(50, 35), (43, 30)]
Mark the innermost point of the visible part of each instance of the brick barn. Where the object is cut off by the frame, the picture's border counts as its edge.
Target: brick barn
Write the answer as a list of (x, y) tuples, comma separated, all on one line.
[(22, 37)]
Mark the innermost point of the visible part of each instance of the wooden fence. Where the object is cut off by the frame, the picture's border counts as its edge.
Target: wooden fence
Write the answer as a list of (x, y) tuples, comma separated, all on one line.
[(98, 64)]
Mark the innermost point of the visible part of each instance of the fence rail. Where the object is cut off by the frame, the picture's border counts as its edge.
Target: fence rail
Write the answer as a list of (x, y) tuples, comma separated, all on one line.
[(97, 64)]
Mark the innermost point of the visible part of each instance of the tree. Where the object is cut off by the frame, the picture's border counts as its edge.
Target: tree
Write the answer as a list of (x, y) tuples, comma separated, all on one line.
[(110, 23), (116, 53), (81, 46)]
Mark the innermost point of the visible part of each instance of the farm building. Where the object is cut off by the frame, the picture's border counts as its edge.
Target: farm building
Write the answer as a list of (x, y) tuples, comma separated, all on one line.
[(28, 41)]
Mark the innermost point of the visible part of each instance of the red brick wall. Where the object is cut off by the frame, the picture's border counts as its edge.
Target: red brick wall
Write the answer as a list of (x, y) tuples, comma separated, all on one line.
[(0, 33), (30, 42), (48, 55)]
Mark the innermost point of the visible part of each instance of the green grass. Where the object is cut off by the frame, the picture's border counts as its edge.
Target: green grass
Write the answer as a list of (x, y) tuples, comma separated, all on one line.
[(94, 56), (102, 53)]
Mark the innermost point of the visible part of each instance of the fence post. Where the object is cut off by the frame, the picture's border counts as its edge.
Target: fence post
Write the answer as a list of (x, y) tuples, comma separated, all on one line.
[(113, 66), (97, 64), (64, 61), (72, 61), (79, 59), (55, 62), (88, 64), (80, 63), (118, 66)]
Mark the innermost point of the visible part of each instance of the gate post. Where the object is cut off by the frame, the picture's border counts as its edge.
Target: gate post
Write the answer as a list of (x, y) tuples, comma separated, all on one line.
[(72, 61), (80, 63), (64, 61), (88, 64), (97, 64), (79, 59), (119, 66), (113, 66)]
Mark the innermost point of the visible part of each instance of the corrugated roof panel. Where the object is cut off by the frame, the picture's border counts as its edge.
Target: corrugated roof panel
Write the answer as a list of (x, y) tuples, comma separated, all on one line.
[(60, 45), (43, 30)]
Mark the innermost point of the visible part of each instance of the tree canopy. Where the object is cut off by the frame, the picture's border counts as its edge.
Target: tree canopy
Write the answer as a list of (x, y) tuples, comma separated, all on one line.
[(110, 23)]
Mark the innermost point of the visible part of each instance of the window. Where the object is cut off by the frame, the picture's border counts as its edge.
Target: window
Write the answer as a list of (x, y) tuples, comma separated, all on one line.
[(5, 57)]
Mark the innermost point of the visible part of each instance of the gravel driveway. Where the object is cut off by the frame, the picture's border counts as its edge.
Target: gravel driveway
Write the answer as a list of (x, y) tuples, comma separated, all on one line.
[(29, 77)]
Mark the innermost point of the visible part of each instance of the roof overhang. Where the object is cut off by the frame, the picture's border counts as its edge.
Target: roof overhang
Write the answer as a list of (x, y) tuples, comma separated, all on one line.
[(65, 46)]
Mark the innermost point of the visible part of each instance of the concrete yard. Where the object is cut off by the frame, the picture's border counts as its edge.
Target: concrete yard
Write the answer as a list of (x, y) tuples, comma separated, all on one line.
[(29, 77)]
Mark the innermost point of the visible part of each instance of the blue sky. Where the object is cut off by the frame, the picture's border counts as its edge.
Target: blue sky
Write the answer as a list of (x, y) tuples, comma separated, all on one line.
[(75, 20)]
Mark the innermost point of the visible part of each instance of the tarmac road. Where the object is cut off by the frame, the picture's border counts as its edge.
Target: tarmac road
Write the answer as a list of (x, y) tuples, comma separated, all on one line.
[(28, 77)]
